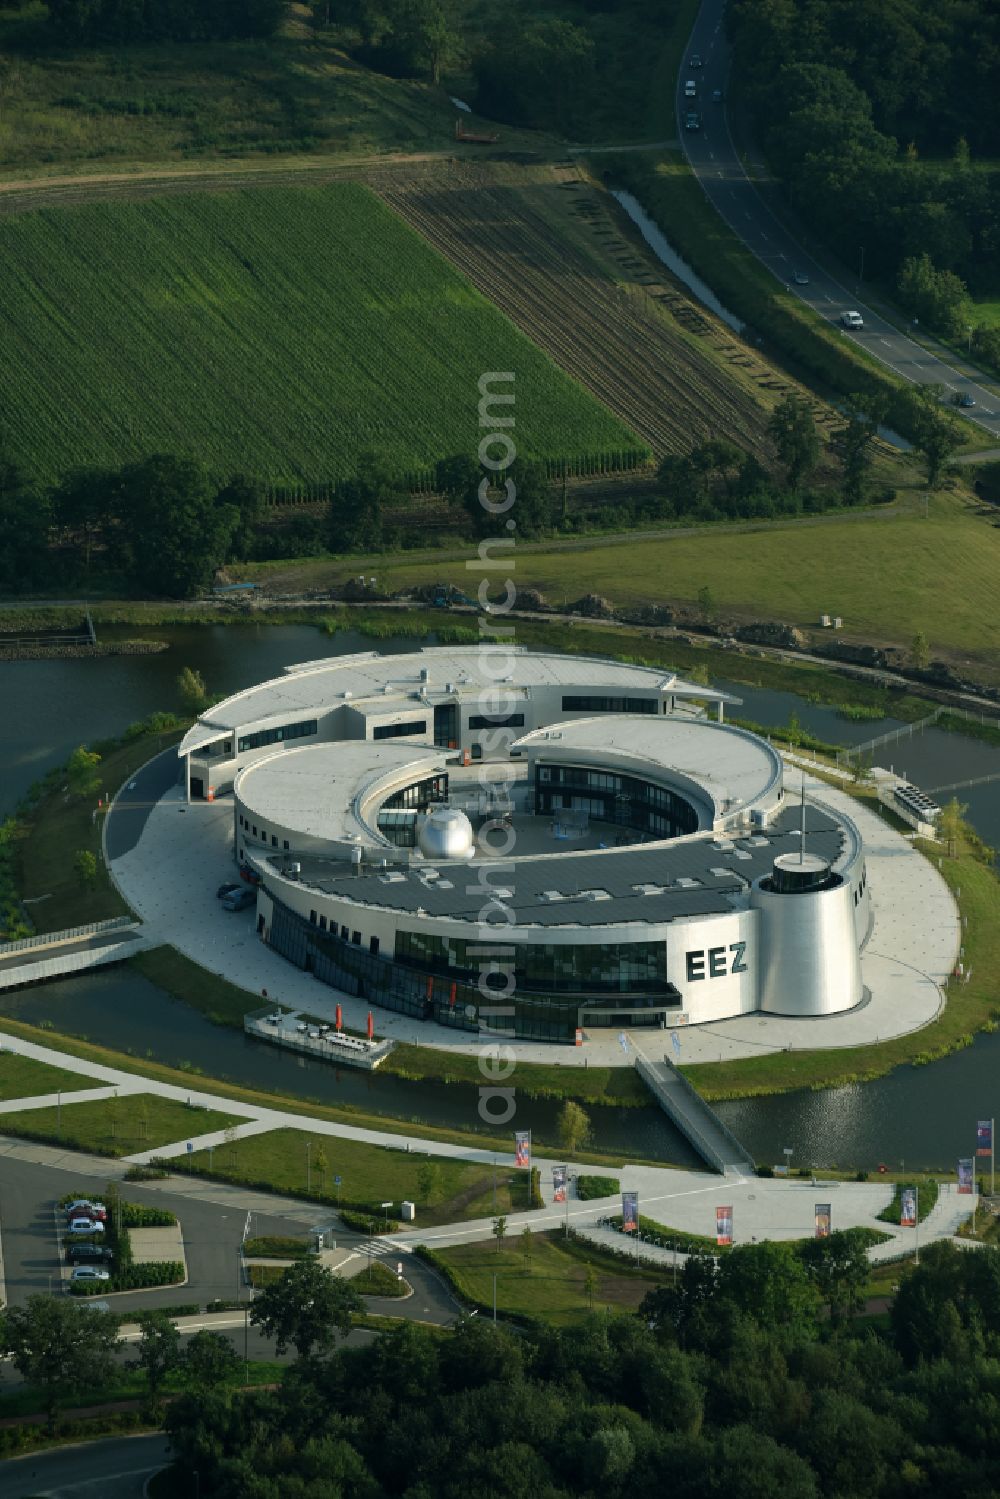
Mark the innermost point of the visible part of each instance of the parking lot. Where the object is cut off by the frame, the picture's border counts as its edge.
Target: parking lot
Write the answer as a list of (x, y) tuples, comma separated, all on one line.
[(31, 1230)]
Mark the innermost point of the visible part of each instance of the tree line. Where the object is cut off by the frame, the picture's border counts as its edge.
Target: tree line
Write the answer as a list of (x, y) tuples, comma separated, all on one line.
[(750, 1377), (882, 123)]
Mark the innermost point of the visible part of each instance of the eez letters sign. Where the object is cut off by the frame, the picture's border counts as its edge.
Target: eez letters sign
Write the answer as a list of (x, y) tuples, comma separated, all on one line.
[(715, 962)]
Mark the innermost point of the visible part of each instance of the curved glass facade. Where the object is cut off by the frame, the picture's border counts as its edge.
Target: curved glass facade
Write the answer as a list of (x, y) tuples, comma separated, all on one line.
[(545, 1007), (625, 801)]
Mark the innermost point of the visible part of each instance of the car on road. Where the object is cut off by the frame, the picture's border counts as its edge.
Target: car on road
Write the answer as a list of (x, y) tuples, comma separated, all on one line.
[(239, 899), (690, 89), (717, 96), (78, 1254), (964, 399), (84, 1226), (91, 1273), (82, 1207), (97, 1306), (851, 320), (695, 61), (801, 279), (692, 121), (225, 890)]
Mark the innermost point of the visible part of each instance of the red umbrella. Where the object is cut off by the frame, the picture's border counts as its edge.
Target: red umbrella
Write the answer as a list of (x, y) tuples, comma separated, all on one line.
[(340, 1018), (371, 1027)]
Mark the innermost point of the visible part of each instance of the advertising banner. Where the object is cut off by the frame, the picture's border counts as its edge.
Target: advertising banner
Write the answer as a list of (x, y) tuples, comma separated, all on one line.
[(630, 1212), (908, 1207), (822, 1216), (522, 1148), (724, 1225), (965, 1177), (984, 1137), (559, 1183)]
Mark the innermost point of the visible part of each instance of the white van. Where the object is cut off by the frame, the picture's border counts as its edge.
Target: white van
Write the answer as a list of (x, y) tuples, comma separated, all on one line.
[(851, 320), (690, 89)]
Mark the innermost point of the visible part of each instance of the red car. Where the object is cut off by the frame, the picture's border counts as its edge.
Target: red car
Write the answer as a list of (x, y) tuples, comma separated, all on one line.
[(82, 1207)]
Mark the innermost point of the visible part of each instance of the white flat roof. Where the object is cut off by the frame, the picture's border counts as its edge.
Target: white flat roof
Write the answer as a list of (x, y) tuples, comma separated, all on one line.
[(317, 789), (317, 686), (735, 768)]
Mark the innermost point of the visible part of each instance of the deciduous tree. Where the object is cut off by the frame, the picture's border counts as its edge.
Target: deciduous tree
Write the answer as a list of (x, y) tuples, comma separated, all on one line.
[(59, 1346), (306, 1309)]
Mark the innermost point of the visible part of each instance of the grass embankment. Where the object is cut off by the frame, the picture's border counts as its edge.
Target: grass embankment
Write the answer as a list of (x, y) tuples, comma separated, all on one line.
[(225, 1004), (133, 1385), (370, 338), (22, 1077), (971, 1007), (444, 1190), (116, 1126), (61, 825), (546, 1284), (927, 1188), (589, 1188), (772, 572), (308, 1108)]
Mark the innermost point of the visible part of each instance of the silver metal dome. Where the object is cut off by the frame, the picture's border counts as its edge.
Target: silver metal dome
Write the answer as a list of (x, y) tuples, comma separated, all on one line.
[(446, 833)]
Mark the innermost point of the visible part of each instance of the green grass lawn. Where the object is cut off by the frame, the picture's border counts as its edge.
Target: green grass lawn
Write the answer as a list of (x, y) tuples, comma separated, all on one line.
[(371, 1175), (217, 999), (887, 576), (360, 338), (927, 1195), (60, 826), (551, 1285), (22, 1077), (117, 1126), (987, 312)]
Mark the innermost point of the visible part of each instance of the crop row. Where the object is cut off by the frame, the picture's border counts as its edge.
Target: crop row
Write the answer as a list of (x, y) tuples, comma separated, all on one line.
[(285, 331)]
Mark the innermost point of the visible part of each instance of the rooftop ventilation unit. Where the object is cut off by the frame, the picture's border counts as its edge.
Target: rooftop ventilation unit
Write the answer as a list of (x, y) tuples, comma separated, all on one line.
[(686, 883), (595, 895), (553, 895), (648, 889), (348, 695), (425, 675)]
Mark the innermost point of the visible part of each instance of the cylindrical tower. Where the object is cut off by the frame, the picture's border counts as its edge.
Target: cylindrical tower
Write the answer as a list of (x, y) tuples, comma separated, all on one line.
[(808, 962)]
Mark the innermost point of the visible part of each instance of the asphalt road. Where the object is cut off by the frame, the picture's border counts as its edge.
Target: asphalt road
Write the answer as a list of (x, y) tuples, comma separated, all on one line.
[(113, 1469), (136, 800), (716, 163)]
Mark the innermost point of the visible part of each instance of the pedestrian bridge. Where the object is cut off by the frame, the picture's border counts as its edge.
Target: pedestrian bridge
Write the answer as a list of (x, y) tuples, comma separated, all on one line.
[(31, 960), (696, 1120)]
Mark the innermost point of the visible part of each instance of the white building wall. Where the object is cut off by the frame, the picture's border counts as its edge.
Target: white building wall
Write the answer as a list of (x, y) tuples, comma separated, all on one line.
[(713, 961)]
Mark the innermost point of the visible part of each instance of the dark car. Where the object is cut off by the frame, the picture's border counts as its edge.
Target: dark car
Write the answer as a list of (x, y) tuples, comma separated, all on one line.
[(965, 401), (694, 61), (225, 890), (92, 1254), (692, 121)]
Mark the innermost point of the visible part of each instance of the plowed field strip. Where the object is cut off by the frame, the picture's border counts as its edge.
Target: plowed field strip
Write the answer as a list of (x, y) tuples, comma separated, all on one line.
[(612, 340)]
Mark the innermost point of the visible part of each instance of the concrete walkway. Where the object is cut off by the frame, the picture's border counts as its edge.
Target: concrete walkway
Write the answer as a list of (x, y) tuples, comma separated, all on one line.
[(170, 874)]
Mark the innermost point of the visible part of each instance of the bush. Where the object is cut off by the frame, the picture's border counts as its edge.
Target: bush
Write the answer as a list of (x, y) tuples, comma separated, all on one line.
[(277, 1246), (138, 1215), (535, 1188), (146, 1173), (366, 1223), (589, 1187)]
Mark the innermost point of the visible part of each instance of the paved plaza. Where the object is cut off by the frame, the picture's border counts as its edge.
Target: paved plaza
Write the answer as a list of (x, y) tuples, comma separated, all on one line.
[(170, 873)]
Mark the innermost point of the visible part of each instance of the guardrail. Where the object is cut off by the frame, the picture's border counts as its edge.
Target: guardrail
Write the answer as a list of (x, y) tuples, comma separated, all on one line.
[(69, 934)]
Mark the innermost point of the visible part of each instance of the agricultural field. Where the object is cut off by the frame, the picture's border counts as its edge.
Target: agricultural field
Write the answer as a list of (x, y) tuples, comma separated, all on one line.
[(557, 258), (283, 332)]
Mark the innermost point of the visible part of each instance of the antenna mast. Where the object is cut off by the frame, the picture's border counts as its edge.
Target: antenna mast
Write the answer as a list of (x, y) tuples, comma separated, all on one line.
[(802, 840)]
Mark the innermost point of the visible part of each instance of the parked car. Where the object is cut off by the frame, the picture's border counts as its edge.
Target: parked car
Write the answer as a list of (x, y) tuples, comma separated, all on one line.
[(851, 320), (225, 890), (85, 1226), (96, 1306), (88, 1273), (238, 900), (801, 279), (692, 121), (92, 1254), (82, 1207)]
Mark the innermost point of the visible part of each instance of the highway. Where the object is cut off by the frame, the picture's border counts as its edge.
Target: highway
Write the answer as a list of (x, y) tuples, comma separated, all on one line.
[(115, 1468), (714, 159)]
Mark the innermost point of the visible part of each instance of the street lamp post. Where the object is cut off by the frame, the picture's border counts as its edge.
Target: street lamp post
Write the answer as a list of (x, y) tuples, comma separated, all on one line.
[(385, 1208), (970, 330), (494, 1298), (861, 268), (308, 1165)]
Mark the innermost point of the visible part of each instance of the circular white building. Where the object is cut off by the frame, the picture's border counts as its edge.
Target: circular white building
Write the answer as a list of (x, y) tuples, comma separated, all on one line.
[(573, 843)]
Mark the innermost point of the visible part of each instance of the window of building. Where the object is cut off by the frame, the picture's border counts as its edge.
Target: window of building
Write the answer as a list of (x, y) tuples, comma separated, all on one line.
[(312, 917), (356, 938), (343, 933), (278, 736), (400, 730), (255, 830), (501, 721), (274, 841), (322, 923), (599, 704), (373, 947), (285, 844)]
